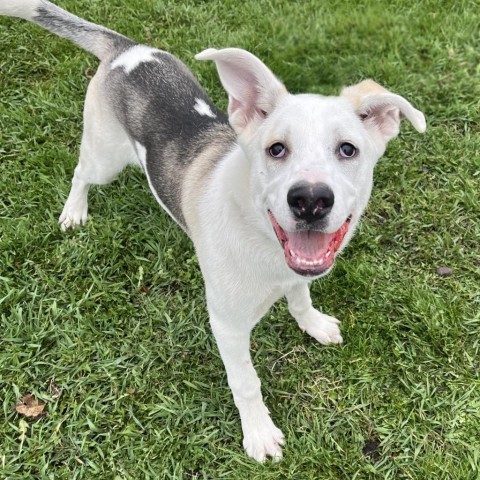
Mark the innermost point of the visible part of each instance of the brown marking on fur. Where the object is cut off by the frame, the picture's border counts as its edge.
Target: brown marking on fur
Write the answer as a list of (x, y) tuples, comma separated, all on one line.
[(198, 173), (357, 92)]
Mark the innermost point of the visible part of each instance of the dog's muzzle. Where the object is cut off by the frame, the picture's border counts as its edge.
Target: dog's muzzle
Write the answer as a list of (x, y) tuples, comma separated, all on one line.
[(308, 252)]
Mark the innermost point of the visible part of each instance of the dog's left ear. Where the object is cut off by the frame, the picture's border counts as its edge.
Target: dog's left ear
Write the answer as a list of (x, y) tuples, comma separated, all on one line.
[(253, 90), (381, 110)]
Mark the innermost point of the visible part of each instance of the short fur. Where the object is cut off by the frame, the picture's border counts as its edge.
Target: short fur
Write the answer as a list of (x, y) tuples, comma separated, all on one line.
[(232, 183)]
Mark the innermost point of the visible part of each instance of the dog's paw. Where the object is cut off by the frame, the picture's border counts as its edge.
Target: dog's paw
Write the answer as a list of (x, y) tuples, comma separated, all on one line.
[(321, 327), (73, 215), (263, 440)]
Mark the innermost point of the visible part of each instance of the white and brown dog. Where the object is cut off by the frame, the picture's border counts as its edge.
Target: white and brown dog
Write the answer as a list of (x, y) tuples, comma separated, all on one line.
[(269, 195)]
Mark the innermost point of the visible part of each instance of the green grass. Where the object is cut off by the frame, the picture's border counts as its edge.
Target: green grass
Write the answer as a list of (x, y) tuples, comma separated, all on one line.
[(114, 314)]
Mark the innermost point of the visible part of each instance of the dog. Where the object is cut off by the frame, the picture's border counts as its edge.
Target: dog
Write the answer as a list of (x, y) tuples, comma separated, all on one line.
[(270, 194)]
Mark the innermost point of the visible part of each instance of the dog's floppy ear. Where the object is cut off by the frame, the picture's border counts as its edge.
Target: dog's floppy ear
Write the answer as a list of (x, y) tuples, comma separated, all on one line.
[(253, 90), (381, 110)]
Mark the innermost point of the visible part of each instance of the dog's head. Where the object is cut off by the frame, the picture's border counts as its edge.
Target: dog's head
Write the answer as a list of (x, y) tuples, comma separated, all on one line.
[(312, 157)]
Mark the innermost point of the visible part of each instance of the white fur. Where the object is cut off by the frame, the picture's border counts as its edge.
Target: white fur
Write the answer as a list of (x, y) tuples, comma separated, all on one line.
[(142, 154), (203, 108), (103, 140), (133, 57), (16, 8), (226, 211), (242, 263), (243, 266)]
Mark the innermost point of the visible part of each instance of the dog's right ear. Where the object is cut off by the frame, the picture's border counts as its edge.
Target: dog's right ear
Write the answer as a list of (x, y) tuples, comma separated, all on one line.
[(253, 90)]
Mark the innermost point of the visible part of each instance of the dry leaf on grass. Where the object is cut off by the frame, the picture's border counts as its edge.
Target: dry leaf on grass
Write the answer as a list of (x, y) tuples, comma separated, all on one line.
[(29, 406)]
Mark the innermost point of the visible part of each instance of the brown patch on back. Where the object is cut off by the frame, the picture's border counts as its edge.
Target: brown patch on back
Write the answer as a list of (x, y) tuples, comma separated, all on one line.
[(199, 172)]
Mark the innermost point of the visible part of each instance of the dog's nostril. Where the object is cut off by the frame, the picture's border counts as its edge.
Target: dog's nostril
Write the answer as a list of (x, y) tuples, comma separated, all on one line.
[(300, 202), (310, 202)]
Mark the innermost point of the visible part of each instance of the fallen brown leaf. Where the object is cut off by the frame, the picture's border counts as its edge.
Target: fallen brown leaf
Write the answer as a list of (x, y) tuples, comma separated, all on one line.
[(29, 406)]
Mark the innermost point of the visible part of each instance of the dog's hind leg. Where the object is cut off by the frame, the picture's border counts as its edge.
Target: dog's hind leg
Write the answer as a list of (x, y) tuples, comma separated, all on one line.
[(320, 326), (104, 152)]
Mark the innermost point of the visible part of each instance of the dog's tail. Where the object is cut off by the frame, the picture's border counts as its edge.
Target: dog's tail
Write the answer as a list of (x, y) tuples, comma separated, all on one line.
[(98, 40)]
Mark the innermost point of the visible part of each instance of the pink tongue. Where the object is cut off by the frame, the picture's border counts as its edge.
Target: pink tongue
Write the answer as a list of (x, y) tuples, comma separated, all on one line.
[(309, 245)]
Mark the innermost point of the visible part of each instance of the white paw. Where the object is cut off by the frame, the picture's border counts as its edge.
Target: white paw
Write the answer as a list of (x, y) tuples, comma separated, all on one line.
[(263, 440), (321, 327), (73, 215)]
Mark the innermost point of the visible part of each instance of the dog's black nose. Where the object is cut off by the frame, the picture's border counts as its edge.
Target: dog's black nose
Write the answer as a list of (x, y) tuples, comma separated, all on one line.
[(310, 201)]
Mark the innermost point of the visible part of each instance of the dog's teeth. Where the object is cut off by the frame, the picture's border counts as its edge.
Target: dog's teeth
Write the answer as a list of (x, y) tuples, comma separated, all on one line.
[(309, 263), (328, 254)]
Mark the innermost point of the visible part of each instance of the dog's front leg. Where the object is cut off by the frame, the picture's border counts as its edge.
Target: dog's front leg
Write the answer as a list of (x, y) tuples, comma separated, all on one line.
[(261, 437), (320, 326)]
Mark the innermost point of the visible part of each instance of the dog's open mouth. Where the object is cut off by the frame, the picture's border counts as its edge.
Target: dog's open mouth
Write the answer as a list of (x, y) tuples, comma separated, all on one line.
[(309, 252)]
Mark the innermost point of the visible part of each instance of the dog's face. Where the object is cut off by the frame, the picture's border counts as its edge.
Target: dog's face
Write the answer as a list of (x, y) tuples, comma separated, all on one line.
[(312, 157), (312, 168)]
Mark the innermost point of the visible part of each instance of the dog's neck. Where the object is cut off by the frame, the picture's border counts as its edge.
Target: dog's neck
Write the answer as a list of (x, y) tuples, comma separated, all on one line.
[(235, 174), (230, 188)]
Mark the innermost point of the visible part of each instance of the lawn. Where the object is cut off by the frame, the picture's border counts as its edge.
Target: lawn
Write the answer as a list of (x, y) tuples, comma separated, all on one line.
[(107, 324)]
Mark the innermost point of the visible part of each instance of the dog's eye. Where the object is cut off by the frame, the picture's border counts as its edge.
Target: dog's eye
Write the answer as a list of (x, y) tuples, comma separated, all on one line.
[(347, 150), (277, 150)]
